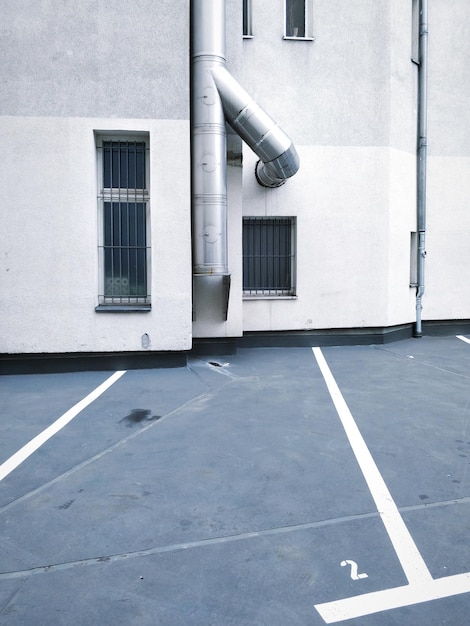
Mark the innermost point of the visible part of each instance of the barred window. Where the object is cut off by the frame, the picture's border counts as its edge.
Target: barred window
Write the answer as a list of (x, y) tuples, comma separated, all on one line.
[(269, 256), (123, 211)]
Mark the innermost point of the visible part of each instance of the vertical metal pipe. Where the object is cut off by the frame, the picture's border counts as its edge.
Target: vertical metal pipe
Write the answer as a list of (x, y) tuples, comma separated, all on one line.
[(208, 139), (422, 159)]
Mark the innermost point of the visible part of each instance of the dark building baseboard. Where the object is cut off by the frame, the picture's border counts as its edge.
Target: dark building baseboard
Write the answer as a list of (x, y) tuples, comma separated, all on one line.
[(78, 362), (327, 337), (108, 361)]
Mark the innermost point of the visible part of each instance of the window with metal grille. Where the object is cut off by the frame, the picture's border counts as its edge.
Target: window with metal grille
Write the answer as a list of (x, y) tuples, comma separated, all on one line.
[(269, 256), (123, 212)]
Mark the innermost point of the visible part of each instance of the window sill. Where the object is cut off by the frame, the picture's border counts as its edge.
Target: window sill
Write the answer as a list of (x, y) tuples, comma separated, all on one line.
[(248, 36), (122, 308), (298, 38), (262, 296)]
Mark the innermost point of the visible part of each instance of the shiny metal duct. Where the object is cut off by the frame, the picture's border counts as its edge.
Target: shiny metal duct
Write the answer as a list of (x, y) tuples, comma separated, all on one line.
[(216, 97), (278, 157), (208, 144)]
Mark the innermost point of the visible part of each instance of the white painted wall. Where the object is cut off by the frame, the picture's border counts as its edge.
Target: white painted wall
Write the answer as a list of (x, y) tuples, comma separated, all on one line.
[(448, 239), (447, 294), (49, 238), (353, 239), (350, 108)]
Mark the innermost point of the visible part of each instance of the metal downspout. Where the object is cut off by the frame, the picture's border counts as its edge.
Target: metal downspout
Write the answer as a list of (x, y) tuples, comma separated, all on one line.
[(422, 159)]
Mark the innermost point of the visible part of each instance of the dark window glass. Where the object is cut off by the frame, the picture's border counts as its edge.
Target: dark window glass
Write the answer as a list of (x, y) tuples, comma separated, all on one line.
[(295, 18), (124, 164), (268, 255), (125, 251)]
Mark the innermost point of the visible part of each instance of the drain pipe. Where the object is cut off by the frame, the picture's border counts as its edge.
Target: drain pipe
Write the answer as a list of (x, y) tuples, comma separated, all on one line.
[(422, 159)]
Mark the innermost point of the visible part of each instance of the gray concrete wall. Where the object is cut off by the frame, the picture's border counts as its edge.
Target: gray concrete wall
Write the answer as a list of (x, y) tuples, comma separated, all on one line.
[(449, 78), (330, 91), (94, 58)]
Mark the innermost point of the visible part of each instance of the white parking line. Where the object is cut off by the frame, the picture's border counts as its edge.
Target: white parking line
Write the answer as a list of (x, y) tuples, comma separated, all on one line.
[(422, 587), (408, 595), (462, 338), (27, 450), (413, 565)]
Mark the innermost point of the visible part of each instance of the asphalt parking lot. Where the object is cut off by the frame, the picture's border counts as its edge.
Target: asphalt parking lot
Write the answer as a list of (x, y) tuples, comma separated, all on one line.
[(276, 486)]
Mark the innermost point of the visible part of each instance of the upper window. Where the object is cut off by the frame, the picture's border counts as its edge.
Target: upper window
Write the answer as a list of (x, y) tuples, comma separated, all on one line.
[(269, 256), (123, 213), (247, 28), (298, 19)]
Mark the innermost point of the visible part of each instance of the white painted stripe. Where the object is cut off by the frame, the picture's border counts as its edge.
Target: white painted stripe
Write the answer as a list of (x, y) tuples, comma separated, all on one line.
[(462, 338), (26, 451), (388, 599), (422, 587), (411, 560)]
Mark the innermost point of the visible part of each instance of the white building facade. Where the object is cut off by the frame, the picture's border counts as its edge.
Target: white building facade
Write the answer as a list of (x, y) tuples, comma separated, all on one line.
[(96, 229)]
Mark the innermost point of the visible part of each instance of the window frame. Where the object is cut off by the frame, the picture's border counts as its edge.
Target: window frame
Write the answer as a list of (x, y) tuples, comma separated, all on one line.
[(247, 23), (126, 195), (277, 293), (308, 25)]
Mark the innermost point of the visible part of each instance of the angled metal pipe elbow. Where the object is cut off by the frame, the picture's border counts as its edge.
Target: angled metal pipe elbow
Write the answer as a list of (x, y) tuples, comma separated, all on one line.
[(278, 157)]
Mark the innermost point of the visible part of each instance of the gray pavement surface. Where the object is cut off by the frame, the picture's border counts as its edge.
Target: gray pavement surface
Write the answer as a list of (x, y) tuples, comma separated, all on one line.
[(228, 492)]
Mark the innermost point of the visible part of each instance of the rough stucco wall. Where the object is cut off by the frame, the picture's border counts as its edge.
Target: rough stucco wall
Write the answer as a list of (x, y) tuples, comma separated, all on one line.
[(351, 111), (70, 68), (401, 298), (447, 295), (331, 91), (49, 238), (403, 79), (449, 84), (95, 58), (448, 223), (342, 251)]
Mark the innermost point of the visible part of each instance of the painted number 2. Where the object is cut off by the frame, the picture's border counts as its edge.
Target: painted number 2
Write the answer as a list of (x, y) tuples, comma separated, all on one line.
[(354, 574)]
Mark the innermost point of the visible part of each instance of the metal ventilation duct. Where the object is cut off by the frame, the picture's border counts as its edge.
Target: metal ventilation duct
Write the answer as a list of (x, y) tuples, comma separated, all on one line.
[(208, 141), (216, 97), (278, 157)]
